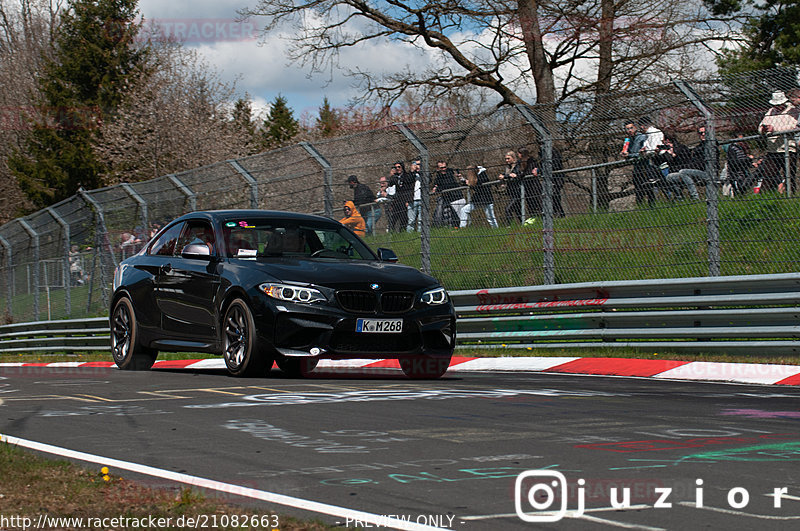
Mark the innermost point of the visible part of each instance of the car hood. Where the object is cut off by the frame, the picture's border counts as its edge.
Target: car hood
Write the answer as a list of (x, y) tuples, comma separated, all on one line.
[(339, 274)]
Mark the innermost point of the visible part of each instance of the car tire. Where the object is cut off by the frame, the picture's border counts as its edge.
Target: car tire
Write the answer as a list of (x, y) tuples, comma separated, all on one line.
[(299, 367), (425, 367), (129, 354), (240, 343)]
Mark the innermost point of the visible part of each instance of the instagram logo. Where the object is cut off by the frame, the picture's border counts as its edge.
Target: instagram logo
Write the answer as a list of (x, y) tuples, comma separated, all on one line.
[(536, 492)]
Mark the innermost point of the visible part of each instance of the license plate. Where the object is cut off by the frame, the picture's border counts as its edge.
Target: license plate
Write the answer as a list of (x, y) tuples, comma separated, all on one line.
[(379, 326)]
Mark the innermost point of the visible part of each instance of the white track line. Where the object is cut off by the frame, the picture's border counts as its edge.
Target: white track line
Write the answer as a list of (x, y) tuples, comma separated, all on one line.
[(228, 488)]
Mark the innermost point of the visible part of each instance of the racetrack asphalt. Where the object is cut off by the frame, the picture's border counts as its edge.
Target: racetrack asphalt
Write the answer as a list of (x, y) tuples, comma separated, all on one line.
[(368, 443)]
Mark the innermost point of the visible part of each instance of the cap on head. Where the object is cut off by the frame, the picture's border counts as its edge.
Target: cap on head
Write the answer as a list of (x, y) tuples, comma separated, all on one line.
[(352, 179)]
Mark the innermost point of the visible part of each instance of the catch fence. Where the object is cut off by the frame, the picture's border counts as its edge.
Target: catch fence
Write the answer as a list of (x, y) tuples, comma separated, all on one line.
[(586, 214)]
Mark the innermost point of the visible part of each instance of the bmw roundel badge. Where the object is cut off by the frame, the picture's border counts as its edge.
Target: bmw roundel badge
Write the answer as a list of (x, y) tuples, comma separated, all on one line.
[(375, 287)]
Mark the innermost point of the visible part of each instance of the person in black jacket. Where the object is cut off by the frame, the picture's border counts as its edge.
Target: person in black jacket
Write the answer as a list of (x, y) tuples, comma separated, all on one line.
[(446, 185), (677, 157), (404, 192), (528, 170), (740, 162), (362, 195)]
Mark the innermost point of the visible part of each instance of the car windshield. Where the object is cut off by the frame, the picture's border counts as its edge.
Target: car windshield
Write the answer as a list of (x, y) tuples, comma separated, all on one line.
[(265, 238)]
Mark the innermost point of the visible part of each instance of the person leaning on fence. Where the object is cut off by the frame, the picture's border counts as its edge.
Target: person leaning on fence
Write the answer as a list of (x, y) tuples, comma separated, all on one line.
[(531, 182), (697, 160), (481, 196), (353, 220), (740, 162), (398, 208), (362, 195), (677, 158), (415, 205), (780, 118), (643, 170), (513, 185), (449, 193)]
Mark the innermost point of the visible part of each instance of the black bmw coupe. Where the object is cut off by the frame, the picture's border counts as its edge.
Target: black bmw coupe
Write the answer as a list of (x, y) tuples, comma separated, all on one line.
[(262, 286)]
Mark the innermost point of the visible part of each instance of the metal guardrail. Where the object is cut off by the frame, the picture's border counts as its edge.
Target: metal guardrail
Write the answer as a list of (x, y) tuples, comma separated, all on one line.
[(760, 313), (68, 335)]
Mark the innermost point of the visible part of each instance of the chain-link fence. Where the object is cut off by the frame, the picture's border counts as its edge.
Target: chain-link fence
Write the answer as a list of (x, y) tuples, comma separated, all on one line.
[(608, 190)]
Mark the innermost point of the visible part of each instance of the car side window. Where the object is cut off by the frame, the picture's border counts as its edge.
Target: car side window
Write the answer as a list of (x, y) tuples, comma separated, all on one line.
[(165, 244), (196, 231)]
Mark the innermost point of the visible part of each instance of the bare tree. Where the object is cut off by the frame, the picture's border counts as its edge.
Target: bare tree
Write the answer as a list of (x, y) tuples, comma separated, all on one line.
[(27, 29), (180, 117), (524, 51)]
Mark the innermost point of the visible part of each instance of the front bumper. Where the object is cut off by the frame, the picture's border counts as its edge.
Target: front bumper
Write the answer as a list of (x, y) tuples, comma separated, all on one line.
[(329, 332)]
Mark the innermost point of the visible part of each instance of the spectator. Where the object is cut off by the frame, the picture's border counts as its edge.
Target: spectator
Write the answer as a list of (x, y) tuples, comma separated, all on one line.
[(740, 162), (481, 196), (403, 191), (513, 211), (678, 159), (362, 195), (154, 228), (353, 219), (531, 182), (781, 117), (75, 267), (384, 195), (697, 159), (643, 170), (445, 184), (415, 205)]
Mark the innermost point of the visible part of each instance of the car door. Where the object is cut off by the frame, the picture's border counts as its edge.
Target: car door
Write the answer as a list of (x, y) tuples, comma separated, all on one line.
[(187, 288)]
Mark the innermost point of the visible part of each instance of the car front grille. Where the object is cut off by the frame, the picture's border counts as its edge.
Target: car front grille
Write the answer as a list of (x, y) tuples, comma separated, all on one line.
[(367, 301), (357, 301), (397, 301)]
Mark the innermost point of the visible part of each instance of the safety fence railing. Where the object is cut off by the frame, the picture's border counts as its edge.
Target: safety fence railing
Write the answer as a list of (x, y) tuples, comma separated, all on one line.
[(525, 195), (65, 335), (757, 314)]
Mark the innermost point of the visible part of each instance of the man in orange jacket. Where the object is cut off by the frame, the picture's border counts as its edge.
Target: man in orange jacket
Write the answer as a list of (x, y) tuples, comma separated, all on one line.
[(353, 219)]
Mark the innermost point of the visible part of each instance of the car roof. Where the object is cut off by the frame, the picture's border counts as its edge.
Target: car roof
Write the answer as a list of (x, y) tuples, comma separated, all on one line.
[(218, 215)]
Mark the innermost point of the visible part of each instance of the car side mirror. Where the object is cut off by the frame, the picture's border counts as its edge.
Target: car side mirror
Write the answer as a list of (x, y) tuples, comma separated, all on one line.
[(387, 255), (197, 251)]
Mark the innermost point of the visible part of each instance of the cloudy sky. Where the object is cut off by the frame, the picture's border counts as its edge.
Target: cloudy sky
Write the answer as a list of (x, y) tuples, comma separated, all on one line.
[(259, 68)]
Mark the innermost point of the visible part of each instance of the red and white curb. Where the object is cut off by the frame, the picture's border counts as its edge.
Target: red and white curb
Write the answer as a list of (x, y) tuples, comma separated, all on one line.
[(751, 373)]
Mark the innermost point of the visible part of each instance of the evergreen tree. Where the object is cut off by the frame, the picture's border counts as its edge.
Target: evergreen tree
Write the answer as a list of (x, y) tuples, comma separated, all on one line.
[(771, 33), (280, 126), (328, 121), (244, 124), (96, 61)]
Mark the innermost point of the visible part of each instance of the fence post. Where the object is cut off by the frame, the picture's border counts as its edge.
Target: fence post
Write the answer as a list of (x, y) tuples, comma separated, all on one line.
[(185, 190), (251, 182), (35, 241), (712, 197), (327, 170), (10, 273), (548, 239), (142, 203), (425, 193), (66, 272), (101, 238)]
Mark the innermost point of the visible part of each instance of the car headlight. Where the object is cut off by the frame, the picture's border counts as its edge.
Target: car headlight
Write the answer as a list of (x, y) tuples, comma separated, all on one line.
[(287, 292), (435, 296)]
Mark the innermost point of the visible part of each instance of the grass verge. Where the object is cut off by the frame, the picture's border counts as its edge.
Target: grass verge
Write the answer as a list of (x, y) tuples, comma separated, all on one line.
[(33, 486)]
